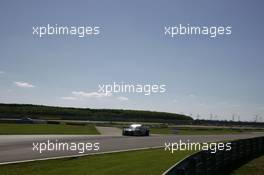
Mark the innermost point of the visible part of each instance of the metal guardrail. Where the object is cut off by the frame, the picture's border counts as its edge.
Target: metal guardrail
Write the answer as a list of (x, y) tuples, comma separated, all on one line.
[(221, 162)]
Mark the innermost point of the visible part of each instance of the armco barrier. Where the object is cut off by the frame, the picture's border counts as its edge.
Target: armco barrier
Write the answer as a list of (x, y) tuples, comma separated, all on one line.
[(222, 162)]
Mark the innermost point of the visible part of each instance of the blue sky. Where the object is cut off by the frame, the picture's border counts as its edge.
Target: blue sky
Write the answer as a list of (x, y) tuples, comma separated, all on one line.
[(220, 76)]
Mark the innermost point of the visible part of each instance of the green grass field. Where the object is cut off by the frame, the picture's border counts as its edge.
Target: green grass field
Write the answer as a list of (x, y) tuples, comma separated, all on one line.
[(14, 128), (193, 131), (161, 131), (209, 132), (151, 161), (47, 129), (254, 167)]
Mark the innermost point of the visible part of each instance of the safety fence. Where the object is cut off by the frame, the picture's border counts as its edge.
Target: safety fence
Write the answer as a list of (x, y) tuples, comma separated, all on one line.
[(221, 162)]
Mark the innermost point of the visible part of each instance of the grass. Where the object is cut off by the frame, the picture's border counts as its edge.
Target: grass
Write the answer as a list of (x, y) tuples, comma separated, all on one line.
[(151, 161), (209, 131), (12, 128), (47, 129), (198, 131), (161, 131), (255, 167)]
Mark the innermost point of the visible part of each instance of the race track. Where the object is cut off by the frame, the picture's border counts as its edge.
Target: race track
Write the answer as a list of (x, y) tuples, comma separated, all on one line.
[(16, 148)]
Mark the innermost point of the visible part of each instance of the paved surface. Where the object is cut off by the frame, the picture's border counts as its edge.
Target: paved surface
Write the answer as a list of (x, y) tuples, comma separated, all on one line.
[(112, 131), (19, 147)]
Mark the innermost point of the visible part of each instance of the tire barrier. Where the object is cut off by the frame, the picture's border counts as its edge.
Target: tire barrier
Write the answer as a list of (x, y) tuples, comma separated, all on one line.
[(221, 162)]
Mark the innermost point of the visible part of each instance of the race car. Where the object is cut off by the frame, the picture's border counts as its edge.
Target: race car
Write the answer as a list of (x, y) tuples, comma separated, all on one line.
[(136, 130)]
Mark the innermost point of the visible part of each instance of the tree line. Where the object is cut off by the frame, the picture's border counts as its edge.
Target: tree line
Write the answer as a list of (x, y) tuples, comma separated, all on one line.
[(69, 113)]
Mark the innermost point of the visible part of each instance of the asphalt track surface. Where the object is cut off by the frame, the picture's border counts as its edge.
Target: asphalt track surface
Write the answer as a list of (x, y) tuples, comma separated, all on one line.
[(16, 148)]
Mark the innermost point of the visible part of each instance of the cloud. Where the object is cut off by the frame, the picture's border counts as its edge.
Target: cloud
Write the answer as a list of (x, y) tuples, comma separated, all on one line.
[(2, 72), (191, 95), (261, 108), (235, 105), (68, 98), (121, 98), (24, 84), (78, 95), (175, 101), (90, 94)]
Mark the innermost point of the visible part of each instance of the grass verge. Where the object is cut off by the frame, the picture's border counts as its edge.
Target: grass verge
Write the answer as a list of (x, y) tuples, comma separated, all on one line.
[(47, 129), (161, 131), (198, 131), (150, 161), (255, 167), (209, 131)]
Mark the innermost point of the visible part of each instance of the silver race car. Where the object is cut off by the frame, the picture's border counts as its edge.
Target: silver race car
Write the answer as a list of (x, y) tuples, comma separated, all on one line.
[(136, 130)]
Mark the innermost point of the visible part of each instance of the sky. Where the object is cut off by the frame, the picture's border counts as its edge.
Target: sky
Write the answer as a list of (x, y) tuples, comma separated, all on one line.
[(211, 77)]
